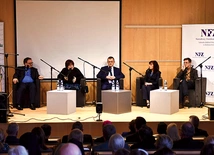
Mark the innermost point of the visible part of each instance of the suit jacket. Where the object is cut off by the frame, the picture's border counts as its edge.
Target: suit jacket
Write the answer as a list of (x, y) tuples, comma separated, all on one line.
[(105, 71), (187, 143), (12, 140), (70, 74), (200, 132), (154, 78), (193, 74), (20, 73), (133, 138)]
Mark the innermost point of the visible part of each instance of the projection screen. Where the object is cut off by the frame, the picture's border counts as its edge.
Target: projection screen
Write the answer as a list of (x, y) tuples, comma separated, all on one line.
[(55, 31)]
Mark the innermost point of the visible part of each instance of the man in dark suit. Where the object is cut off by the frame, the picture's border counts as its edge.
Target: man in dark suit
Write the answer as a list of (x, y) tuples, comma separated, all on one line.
[(108, 74), (186, 141), (26, 76), (12, 131), (187, 76), (87, 139), (135, 137), (195, 121)]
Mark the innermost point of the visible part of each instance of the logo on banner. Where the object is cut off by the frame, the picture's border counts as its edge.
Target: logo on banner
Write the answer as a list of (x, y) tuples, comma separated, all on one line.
[(199, 54), (209, 67), (207, 32), (210, 93)]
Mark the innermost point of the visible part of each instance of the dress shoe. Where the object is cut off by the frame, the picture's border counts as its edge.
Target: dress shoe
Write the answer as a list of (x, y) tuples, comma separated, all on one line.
[(186, 101), (148, 104), (181, 106), (19, 107), (32, 107)]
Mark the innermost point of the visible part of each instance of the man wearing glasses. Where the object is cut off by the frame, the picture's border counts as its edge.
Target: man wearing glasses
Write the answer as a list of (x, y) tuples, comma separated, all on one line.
[(187, 76), (109, 74), (26, 76)]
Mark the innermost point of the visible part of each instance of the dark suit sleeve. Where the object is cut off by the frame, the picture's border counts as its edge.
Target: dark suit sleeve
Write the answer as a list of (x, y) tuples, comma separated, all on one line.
[(60, 76), (157, 76), (180, 74), (79, 76), (103, 73), (195, 74), (118, 74)]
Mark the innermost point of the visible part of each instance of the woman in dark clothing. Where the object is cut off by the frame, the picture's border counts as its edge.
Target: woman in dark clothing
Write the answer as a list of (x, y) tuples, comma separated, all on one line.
[(70, 75), (152, 76)]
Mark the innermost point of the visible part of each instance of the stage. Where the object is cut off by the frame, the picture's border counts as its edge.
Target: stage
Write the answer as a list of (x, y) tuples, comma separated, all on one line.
[(61, 124)]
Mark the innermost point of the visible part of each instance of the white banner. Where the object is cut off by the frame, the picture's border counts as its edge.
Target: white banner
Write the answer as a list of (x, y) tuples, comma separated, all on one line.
[(198, 44), (2, 79)]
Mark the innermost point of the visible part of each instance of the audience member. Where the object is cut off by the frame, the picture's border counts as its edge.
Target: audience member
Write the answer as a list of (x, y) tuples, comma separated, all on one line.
[(161, 129), (207, 150), (209, 140), (3, 146), (139, 121), (76, 137), (122, 151), (116, 142), (67, 149), (87, 138), (146, 137), (12, 131), (163, 141), (102, 139), (47, 130), (18, 150), (108, 131), (172, 132), (164, 151), (131, 128), (195, 121), (186, 141), (138, 152), (30, 142), (40, 137)]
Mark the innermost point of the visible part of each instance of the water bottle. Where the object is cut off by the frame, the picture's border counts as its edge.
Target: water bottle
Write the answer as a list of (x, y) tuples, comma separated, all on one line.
[(61, 87), (58, 85), (117, 85), (112, 85), (165, 85)]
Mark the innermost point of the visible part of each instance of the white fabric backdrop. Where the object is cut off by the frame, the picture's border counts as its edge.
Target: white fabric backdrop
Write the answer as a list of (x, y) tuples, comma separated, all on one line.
[(59, 30), (198, 44)]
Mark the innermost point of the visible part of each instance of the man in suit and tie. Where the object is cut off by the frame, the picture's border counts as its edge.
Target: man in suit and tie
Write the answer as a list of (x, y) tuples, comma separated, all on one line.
[(26, 76), (109, 74)]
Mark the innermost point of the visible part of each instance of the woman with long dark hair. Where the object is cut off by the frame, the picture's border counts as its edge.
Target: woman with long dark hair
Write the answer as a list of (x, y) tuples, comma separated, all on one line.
[(152, 76)]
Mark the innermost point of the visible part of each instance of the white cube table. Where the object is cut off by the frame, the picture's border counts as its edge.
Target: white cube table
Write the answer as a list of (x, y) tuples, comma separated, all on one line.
[(164, 102), (116, 102), (61, 102)]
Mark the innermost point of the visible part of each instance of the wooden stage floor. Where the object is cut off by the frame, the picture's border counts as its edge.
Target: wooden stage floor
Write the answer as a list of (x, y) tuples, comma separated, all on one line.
[(88, 114), (61, 124)]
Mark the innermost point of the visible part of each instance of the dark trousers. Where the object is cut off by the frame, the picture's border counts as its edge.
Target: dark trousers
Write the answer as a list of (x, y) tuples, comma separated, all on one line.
[(32, 91), (146, 91), (183, 89), (106, 86)]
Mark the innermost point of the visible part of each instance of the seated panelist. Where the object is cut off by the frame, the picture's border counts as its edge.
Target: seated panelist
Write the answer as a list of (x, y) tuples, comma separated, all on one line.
[(188, 76), (152, 76), (71, 76), (26, 77), (109, 73)]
